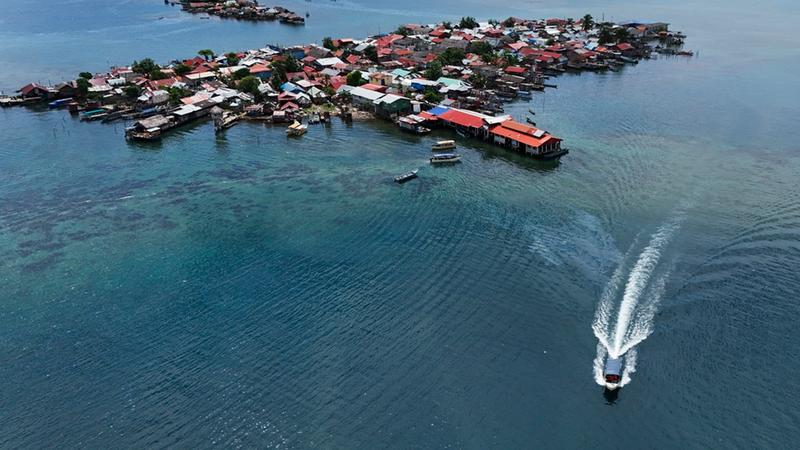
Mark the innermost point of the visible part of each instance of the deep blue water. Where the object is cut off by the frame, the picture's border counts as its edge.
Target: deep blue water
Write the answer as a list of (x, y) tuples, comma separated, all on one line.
[(248, 290)]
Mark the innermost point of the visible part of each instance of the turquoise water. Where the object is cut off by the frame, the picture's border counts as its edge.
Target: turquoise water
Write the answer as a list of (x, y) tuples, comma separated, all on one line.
[(250, 290)]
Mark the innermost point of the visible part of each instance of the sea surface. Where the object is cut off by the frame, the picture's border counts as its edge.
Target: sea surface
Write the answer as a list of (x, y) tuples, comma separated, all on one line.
[(248, 290)]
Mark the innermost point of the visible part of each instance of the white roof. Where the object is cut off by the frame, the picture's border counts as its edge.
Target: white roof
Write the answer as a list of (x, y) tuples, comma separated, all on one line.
[(389, 98), (366, 93), (186, 109), (201, 75), (329, 61)]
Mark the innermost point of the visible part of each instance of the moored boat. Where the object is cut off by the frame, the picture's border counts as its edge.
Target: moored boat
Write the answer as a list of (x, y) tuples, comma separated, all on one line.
[(444, 158), (94, 114), (59, 103), (406, 176), (296, 129), (550, 156), (444, 145), (413, 124)]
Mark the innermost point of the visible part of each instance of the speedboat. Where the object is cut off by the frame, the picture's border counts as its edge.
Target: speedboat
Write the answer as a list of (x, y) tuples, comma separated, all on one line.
[(406, 176), (612, 373), (441, 158), (444, 145)]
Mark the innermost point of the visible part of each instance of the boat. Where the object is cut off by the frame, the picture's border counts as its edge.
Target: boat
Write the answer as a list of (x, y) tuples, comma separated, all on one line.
[(612, 373), (444, 145), (406, 176), (117, 114), (296, 129), (443, 158), (524, 94), (530, 121), (531, 111), (224, 120), (413, 124), (11, 101), (59, 103), (94, 114), (684, 53), (149, 129), (550, 156)]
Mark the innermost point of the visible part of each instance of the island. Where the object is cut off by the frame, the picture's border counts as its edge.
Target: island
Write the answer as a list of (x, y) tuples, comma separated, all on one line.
[(447, 75)]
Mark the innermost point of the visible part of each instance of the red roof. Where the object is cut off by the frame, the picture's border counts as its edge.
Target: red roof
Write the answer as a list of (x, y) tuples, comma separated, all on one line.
[(352, 59), (337, 82), (521, 133), (515, 69), (289, 106), (622, 46), (374, 87), (386, 40), (28, 88), (428, 116), (196, 61), (295, 75), (259, 68), (461, 118)]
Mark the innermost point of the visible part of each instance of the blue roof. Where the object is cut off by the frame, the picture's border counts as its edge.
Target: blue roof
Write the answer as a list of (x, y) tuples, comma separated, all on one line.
[(439, 110), (291, 87)]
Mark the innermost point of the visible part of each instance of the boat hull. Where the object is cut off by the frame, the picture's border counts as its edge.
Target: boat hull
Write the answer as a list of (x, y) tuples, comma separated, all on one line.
[(551, 156)]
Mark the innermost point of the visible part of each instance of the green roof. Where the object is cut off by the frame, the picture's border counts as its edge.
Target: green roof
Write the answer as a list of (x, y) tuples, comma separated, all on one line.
[(401, 73)]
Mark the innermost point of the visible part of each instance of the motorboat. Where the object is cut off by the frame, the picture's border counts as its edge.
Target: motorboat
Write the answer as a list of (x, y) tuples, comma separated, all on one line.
[(612, 373), (444, 145), (443, 158), (406, 176)]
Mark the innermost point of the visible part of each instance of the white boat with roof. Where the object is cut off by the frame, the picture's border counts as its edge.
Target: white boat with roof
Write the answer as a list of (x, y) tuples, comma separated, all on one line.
[(444, 145), (443, 158)]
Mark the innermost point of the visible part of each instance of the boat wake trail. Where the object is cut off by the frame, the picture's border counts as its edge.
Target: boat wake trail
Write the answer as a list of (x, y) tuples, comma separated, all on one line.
[(621, 327)]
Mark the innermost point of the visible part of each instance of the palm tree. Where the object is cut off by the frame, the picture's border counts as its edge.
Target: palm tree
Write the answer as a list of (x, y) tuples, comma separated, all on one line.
[(588, 22), (206, 53)]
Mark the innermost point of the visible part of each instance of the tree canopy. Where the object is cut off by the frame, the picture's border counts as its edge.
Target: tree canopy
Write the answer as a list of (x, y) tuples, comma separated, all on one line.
[(83, 86), (587, 22), (468, 23), (181, 69), (355, 78), (206, 53), (241, 73), (434, 70), (250, 84), (327, 42), (451, 56), (132, 91), (232, 59), (480, 48), (371, 53), (87, 75), (146, 67)]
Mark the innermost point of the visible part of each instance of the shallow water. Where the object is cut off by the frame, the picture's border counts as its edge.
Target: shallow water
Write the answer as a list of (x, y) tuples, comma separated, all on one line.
[(250, 290)]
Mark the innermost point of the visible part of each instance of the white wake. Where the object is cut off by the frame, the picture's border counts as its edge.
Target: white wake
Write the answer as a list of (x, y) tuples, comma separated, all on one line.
[(620, 328)]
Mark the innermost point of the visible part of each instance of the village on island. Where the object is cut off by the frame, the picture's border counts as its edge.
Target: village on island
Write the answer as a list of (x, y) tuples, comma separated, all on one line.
[(449, 75), (240, 9)]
